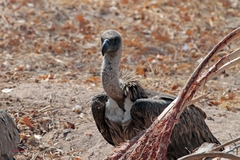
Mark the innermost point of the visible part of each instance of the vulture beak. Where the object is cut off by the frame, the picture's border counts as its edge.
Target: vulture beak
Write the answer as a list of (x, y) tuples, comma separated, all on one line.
[(105, 46)]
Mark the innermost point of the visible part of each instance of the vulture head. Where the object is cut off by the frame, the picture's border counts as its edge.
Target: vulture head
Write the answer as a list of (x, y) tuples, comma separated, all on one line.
[(111, 42)]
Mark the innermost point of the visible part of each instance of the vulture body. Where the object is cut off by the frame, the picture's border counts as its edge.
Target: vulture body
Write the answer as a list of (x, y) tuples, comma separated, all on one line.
[(127, 109), (9, 137)]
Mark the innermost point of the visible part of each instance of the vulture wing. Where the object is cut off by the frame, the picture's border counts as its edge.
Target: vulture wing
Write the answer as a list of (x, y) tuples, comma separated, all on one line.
[(98, 111), (9, 136), (188, 134)]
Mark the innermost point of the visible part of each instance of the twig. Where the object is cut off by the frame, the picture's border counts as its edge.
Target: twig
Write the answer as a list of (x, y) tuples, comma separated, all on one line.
[(5, 20), (34, 156), (48, 107), (228, 61), (225, 144), (211, 153), (235, 147), (198, 156), (224, 42), (198, 98)]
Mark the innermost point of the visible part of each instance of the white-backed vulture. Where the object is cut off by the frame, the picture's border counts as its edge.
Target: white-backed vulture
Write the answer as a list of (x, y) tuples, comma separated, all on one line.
[(126, 108)]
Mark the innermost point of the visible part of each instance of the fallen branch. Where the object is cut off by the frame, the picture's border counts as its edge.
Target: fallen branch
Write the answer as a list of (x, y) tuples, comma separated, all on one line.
[(227, 61), (225, 144), (198, 156), (206, 151), (199, 98), (232, 149), (153, 143)]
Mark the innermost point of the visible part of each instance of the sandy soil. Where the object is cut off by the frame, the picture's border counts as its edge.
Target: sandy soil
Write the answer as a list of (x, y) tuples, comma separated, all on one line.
[(56, 101)]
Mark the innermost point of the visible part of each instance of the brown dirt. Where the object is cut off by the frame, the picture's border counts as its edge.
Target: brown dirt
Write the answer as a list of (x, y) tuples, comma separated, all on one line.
[(55, 102), (50, 58)]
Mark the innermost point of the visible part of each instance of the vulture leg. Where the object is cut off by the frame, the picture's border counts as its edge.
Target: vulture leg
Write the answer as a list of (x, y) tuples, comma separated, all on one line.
[(188, 134), (98, 111)]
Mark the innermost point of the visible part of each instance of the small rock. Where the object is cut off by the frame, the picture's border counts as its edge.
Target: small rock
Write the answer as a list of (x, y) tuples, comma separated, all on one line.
[(65, 132), (81, 115), (35, 140), (185, 47), (78, 109), (7, 90)]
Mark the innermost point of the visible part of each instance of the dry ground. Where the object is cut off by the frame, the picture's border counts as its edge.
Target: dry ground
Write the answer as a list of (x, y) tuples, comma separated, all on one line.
[(50, 63)]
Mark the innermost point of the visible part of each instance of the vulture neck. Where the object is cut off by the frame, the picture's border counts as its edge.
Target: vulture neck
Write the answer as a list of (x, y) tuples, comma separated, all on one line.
[(110, 77)]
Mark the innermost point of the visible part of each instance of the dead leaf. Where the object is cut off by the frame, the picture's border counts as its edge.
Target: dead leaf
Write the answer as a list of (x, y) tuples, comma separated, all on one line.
[(88, 37), (23, 137), (134, 43), (174, 87), (47, 76), (19, 68), (160, 37), (183, 66), (34, 140), (63, 44), (45, 122), (28, 122), (80, 18), (150, 59), (229, 108), (67, 125), (95, 79), (125, 1), (88, 134), (57, 49), (189, 32), (140, 70), (231, 96), (222, 115), (215, 103), (68, 26)]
